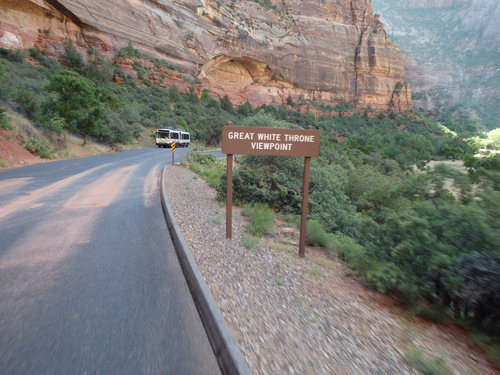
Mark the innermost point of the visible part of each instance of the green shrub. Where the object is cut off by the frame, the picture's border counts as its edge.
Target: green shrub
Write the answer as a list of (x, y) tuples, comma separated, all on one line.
[(35, 53), (418, 358), (200, 158), (129, 51), (317, 236), (12, 55), (249, 241), (119, 72), (71, 58), (279, 281), (45, 154), (212, 176), (4, 120), (38, 146), (491, 163), (206, 166), (494, 353), (261, 218), (49, 63), (434, 313)]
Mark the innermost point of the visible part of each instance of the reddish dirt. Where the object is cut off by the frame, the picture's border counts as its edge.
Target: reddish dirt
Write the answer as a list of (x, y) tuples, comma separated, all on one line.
[(13, 154)]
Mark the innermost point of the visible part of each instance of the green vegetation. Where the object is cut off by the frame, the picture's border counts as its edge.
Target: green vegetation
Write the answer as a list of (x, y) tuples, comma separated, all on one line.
[(261, 218), (4, 120), (101, 109), (428, 235), (38, 146), (421, 360), (279, 281), (249, 241), (79, 103), (317, 236), (207, 166), (315, 272)]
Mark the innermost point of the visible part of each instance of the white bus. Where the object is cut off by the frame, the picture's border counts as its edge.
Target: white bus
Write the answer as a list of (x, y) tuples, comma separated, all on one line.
[(165, 138), (185, 139)]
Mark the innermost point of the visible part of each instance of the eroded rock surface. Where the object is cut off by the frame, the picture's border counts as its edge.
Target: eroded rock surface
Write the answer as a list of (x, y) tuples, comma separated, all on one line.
[(261, 51)]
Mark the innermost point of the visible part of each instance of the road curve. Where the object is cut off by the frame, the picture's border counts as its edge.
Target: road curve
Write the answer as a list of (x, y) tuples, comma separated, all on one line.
[(90, 282)]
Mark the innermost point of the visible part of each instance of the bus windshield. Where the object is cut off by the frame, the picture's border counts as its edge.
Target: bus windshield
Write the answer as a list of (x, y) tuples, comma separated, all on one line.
[(163, 133)]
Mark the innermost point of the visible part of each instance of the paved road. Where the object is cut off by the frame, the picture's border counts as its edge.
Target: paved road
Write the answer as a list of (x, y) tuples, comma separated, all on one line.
[(89, 280)]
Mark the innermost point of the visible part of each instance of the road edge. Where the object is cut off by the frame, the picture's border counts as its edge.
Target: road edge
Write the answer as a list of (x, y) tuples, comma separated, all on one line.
[(227, 352)]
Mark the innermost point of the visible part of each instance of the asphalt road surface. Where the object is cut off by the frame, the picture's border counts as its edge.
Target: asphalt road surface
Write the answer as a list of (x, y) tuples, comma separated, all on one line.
[(89, 280)]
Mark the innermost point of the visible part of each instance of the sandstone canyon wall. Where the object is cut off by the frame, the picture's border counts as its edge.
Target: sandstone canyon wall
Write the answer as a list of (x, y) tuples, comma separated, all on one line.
[(452, 54), (483, 18), (262, 51)]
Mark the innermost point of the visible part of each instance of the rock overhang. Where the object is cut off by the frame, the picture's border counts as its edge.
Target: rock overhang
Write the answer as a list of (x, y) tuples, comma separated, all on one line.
[(242, 70)]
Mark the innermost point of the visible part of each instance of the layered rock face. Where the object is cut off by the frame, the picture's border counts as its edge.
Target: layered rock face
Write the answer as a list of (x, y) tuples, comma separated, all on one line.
[(261, 51), (479, 16), (454, 50), (483, 18)]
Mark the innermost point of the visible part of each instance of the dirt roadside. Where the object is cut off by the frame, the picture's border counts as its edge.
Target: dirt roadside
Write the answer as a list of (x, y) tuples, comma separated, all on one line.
[(13, 154)]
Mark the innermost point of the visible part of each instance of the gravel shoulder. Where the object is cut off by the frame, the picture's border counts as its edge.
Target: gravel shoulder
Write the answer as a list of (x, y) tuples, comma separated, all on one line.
[(292, 315)]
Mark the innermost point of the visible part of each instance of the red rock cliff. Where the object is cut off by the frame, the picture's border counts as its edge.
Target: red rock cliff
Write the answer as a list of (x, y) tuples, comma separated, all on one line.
[(261, 51)]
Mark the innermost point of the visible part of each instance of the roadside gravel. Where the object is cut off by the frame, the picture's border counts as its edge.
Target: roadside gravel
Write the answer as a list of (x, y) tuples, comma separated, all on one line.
[(302, 316)]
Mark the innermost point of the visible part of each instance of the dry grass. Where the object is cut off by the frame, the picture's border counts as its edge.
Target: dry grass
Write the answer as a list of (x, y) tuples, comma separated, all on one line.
[(73, 148), (457, 164)]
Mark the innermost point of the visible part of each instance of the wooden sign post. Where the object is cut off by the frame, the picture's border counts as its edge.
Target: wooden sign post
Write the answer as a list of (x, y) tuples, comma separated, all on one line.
[(270, 141)]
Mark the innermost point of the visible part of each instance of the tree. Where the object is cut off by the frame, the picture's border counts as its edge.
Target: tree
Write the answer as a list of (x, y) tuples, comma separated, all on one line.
[(226, 105), (343, 107), (211, 131), (71, 58), (99, 68), (245, 109), (79, 102), (129, 51), (494, 138), (191, 96), (173, 91)]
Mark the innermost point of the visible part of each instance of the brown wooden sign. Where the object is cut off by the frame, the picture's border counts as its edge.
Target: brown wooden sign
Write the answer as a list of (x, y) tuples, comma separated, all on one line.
[(242, 140), (270, 141)]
